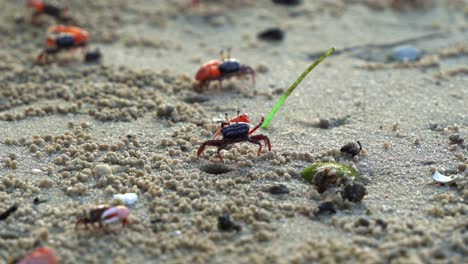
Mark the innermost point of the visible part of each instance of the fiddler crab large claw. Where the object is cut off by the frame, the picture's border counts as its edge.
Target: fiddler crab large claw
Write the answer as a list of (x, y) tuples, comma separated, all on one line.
[(104, 215)]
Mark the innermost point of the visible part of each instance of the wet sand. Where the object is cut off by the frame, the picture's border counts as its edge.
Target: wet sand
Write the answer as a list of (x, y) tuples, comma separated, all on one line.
[(135, 115)]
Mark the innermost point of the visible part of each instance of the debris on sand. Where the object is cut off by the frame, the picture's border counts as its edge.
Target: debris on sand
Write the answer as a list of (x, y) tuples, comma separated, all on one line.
[(352, 148), (406, 53), (279, 189), (271, 34), (8, 212), (225, 224), (439, 177), (330, 169)]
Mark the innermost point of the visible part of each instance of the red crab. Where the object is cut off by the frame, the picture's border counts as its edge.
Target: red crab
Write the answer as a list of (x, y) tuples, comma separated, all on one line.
[(218, 70), (236, 132), (53, 9), (105, 214), (63, 38)]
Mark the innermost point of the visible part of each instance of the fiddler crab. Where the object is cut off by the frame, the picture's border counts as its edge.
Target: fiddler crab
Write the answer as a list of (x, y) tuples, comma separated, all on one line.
[(105, 214), (53, 9), (234, 130), (219, 70), (66, 38)]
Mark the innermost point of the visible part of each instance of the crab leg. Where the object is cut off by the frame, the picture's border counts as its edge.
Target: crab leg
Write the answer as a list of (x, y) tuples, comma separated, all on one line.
[(215, 143), (254, 141), (264, 138), (256, 127)]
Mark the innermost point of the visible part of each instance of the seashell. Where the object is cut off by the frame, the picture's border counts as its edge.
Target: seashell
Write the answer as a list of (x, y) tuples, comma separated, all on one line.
[(438, 177), (126, 198), (339, 169), (406, 53)]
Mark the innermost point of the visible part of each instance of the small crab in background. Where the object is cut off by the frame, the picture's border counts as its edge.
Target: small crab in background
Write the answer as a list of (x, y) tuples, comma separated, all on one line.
[(53, 9), (65, 38), (40, 255), (235, 130), (219, 70), (105, 214)]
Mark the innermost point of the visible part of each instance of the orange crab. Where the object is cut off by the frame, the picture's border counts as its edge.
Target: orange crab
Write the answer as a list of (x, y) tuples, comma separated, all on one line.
[(63, 38), (53, 9), (219, 70)]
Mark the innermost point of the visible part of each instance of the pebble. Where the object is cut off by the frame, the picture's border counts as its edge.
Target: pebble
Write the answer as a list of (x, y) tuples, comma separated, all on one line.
[(381, 223), (226, 224), (406, 53), (271, 35), (352, 148), (326, 123), (287, 2), (326, 207), (354, 192), (279, 189), (125, 199), (102, 170), (362, 222), (456, 138)]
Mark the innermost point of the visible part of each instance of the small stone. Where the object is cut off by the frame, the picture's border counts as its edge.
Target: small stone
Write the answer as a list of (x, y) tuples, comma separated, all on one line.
[(406, 53), (326, 207), (12, 156), (352, 148), (362, 222), (456, 139), (226, 224), (381, 223), (354, 192), (102, 170), (165, 111), (287, 2), (271, 34), (279, 189), (387, 145)]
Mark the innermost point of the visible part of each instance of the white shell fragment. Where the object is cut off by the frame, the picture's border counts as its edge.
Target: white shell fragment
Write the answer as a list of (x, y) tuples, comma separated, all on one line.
[(126, 198), (438, 177)]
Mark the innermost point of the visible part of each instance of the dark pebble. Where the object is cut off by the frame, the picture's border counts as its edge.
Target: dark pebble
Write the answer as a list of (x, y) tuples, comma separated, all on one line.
[(196, 99), (362, 222), (352, 148), (8, 212), (326, 207), (279, 189), (38, 200), (225, 224), (326, 123), (354, 192), (456, 139), (271, 34), (381, 223), (287, 2), (184, 148), (93, 56), (165, 111)]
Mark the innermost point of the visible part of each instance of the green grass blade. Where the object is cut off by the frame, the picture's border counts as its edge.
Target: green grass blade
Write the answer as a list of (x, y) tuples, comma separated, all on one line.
[(293, 86)]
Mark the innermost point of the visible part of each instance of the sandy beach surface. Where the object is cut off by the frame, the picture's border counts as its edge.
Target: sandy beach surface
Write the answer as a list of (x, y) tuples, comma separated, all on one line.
[(72, 134)]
